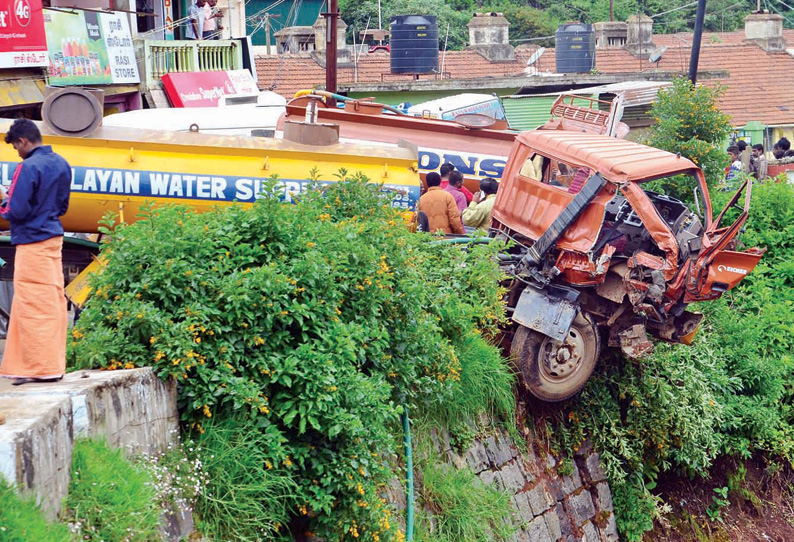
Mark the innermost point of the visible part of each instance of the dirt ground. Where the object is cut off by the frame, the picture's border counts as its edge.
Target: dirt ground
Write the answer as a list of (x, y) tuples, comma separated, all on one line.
[(761, 508)]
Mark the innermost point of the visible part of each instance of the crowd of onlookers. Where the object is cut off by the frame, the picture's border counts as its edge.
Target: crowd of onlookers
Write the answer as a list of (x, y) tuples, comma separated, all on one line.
[(753, 160), (451, 207)]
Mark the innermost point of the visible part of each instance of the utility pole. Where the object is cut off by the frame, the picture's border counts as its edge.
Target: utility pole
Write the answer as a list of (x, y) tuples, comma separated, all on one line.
[(267, 18), (694, 56), (330, 49), (612, 10)]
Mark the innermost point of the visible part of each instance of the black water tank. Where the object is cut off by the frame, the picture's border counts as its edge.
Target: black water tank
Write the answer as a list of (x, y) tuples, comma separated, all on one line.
[(575, 49), (414, 44)]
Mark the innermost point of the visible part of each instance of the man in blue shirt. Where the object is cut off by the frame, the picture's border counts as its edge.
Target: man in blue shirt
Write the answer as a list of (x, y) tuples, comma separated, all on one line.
[(38, 196)]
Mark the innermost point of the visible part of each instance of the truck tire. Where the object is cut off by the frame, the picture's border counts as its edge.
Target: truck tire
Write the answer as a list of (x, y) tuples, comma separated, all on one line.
[(552, 370)]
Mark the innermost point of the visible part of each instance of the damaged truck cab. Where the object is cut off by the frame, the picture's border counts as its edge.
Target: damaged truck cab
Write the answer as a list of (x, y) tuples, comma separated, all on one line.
[(597, 258)]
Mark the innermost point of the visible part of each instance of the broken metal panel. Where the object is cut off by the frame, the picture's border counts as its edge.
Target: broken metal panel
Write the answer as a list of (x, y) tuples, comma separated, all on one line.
[(545, 314)]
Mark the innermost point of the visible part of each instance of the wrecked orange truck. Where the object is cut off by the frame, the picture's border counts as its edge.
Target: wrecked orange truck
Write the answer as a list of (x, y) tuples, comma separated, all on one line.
[(598, 259)]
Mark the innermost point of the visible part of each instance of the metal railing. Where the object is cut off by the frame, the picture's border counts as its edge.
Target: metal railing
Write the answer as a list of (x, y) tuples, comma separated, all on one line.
[(161, 57)]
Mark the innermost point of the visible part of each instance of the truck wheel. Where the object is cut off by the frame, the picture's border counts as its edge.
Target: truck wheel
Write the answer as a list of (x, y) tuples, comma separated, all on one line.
[(553, 370)]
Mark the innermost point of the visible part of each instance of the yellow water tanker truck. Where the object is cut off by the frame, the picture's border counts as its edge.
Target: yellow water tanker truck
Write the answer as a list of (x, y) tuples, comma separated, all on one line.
[(118, 169)]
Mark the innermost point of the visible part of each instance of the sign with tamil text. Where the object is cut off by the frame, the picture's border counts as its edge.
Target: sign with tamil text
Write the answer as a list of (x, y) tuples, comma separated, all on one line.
[(22, 40), (90, 48)]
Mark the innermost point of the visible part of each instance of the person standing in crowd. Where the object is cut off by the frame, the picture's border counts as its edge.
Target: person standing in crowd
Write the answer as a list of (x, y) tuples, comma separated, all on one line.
[(455, 183), (478, 214), (445, 170), (39, 194), (781, 148), (195, 23), (759, 165), (736, 165), (744, 155), (440, 208)]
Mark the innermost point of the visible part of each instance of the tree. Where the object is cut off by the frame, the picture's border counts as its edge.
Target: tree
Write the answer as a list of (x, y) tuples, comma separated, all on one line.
[(689, 122)]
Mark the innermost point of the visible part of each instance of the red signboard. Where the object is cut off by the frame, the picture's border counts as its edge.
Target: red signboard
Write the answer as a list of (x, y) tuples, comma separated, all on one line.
[(204, 89), (22, 40)]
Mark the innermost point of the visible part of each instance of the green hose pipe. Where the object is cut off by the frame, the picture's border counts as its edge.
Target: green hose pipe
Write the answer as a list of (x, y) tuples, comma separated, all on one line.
[(462, 240), (409, 468)]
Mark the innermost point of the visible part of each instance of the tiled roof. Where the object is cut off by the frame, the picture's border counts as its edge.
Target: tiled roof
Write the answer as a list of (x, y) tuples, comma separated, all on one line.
[(757, 86), (297, 72)]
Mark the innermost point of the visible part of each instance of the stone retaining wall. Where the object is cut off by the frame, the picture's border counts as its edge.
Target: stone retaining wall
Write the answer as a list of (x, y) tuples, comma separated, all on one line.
[(547, 507)]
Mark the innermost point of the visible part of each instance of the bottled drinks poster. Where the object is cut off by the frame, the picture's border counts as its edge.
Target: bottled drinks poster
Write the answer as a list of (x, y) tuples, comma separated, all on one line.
[(86, 47)]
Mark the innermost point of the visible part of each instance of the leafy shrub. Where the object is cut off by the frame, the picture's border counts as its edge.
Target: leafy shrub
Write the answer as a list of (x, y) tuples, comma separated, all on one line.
[(317, 322), (463, 508), (110, 498), (21, 520), (689, 122)]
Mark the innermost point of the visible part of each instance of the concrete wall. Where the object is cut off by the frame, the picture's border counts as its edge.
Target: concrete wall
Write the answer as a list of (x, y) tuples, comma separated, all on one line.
[(134, 409)]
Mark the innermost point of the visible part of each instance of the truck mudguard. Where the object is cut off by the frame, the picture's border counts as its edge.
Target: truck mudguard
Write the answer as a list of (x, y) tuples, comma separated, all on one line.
[(547, 312)]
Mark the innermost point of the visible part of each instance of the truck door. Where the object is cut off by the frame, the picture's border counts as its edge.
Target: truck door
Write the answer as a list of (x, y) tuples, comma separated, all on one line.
[(718, 266)]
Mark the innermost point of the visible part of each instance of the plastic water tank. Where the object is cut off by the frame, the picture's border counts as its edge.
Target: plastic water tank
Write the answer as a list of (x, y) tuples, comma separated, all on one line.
[(575, 49), (414, 44)]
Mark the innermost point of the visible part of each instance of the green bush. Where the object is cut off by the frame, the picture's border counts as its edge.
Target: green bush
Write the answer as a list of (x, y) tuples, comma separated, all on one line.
[(21, 520), (689, 122), (318, 322), (110, 498)]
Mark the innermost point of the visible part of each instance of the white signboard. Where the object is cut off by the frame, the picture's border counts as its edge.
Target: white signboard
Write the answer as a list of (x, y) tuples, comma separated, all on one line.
[(121, 53)]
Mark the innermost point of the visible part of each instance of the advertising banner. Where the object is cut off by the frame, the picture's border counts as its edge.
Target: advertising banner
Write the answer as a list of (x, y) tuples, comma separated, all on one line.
[(90, 48), (22, 40), (204, 89)]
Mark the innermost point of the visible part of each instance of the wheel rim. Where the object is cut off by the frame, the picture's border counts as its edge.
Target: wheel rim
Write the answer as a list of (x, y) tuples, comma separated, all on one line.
[(560, 361)]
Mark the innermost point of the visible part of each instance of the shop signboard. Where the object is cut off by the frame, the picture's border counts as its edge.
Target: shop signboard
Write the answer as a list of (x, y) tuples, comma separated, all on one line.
[(204, 89), (22, 40), (90, 48)]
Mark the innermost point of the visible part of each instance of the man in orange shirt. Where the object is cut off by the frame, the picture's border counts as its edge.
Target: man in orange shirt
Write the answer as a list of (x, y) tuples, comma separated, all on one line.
[(439, 206)]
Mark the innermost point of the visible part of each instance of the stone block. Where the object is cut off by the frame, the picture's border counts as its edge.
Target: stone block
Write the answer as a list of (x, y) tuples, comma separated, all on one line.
[(566, 528), (553, 523), (499, 450), (539, 499), (36, 445), (521, 503), (550, 462), (604, 497), (521, 536), (590, 533), (571, 482), (491, 478), (538, 531), (554, 485), (440, 440), (581, 507), (477, 458), (593, 470), (512, 477), (610, 532)]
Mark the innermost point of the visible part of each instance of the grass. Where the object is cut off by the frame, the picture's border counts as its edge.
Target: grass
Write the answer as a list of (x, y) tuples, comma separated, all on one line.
[(110, 498), (241, 500), (485, 387), (21, 520), (463, 508)]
